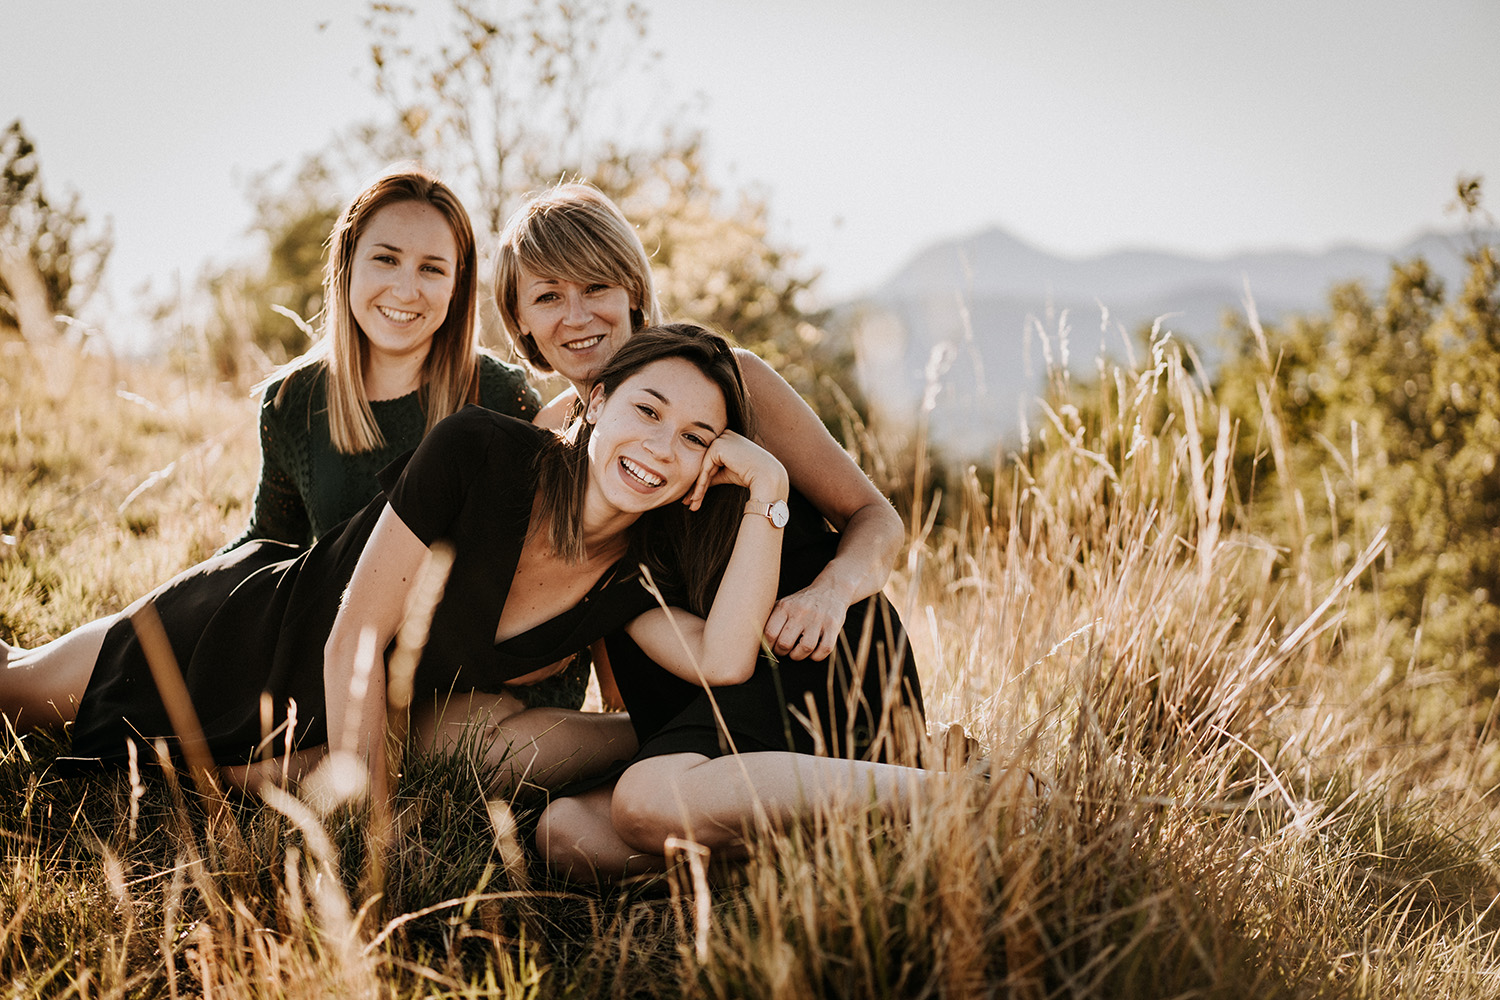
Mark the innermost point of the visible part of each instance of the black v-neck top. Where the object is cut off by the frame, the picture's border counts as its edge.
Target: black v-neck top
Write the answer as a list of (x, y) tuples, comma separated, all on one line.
[(255, 619)]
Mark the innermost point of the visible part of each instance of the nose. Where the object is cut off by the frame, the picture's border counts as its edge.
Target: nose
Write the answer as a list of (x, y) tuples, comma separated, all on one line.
[(577, 314), (658, 445), (404, 286)]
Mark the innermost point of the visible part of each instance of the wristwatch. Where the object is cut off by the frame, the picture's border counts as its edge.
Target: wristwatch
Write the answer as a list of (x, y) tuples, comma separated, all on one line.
[(773, 510)]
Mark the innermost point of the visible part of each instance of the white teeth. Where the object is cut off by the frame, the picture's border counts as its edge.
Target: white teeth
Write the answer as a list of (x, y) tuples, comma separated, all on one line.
[(396, 315), (641, 474), (583, 345)]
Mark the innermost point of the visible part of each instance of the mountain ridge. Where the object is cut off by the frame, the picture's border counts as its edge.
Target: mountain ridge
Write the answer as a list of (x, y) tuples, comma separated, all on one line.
[(990, 296)]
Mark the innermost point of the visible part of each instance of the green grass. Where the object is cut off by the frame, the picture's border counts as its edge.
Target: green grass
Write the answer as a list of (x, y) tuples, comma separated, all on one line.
[(1235, 804)]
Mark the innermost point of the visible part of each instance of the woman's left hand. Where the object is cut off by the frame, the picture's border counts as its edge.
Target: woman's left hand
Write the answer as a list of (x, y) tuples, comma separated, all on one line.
[(734, 458), (806, 625)]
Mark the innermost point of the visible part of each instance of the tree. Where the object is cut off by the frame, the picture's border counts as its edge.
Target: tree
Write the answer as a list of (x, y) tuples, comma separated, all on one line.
[(50, 263), (514, 98), (1389, 417), (260, 313), (512, 95)]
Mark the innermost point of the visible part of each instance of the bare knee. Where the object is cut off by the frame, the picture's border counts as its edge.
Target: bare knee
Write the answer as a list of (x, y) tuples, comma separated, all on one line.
[(562, 839), (553, 828), (644, 815)]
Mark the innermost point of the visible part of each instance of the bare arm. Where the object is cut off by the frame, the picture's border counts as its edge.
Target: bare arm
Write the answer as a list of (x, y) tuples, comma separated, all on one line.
[(722, 648), (374, 602), (807, 623)]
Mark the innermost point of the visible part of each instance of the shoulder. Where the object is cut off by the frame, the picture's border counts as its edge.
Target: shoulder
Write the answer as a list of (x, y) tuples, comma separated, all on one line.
[(476, 426), (761, 380), (778, 408), (473, 446), (503, 387), (554, 416), (283, 391)]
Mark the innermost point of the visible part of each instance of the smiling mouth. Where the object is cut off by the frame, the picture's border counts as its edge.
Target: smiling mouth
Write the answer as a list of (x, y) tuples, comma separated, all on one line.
[(644, 476), (584, 344), (396, 315)]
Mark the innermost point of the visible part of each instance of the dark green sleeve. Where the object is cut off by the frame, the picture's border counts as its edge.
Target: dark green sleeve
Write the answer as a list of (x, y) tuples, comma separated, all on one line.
[(504, 389), (278, 512)]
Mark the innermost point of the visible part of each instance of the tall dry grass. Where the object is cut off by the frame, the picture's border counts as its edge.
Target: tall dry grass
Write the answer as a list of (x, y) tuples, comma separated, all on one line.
[(1229, 804)]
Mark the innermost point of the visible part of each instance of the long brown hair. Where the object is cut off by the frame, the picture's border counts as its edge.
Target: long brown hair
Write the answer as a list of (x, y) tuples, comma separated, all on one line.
[(677, 545), (571, 232), (449, 378)]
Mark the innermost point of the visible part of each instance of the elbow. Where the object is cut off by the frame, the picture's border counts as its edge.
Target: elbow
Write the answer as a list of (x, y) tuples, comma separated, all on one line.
[(878, 523), (892, 528), (736, 673)]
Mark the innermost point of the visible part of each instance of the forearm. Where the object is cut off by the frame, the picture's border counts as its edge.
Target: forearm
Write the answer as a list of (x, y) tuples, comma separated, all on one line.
[(354, 692), (354, 674), (722, 647), (868, 547), (730, 638)]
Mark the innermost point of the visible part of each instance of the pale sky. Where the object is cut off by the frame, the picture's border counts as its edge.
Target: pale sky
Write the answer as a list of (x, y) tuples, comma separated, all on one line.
[(876, 128)]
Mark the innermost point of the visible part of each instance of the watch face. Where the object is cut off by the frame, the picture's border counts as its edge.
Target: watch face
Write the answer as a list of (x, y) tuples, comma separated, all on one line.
[(778, 514)]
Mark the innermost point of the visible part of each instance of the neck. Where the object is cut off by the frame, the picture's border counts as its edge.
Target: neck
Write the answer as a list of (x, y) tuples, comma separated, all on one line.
[(391, 378), (604, 526)]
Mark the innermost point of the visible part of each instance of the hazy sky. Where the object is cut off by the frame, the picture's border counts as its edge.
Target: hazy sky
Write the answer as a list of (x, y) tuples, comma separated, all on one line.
[(876, 127)]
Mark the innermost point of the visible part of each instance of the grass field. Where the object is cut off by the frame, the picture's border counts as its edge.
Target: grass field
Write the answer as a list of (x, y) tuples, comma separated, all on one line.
[(1236, 804)]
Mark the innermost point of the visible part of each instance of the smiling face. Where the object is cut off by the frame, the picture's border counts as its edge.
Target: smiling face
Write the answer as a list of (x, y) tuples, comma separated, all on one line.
[(651, 434), (577, 326), (402, 280)]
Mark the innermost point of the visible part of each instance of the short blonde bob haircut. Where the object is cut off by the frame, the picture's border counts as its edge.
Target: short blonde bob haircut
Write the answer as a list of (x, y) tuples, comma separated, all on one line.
[(571, 232), (449, 374)]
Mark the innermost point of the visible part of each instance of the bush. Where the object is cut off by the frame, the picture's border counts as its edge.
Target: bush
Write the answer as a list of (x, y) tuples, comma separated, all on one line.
[(1389, 418)]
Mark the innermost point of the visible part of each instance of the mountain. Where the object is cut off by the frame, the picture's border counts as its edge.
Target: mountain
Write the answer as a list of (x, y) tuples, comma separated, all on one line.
[(989, 311)]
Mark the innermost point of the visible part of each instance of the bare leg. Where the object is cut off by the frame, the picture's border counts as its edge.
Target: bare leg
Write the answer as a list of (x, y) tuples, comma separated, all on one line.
[(283, 771), (606, 834), (579, 842), (40, 688), (713, 801), (533, 747)]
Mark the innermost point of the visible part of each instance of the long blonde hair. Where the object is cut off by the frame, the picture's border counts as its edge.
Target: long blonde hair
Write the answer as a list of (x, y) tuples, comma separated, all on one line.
[(449, 374), (571, 232)]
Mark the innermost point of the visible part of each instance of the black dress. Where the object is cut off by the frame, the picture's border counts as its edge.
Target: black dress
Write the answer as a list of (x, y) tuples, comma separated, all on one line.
[(255, 619), (864, 701)]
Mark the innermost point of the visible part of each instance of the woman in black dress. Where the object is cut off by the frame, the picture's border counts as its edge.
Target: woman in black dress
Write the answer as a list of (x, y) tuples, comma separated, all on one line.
[(547, 535), (838, 689), (397, 352)]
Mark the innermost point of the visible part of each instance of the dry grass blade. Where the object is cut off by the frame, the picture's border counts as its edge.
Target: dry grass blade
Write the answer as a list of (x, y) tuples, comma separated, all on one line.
[(1250, 788)]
